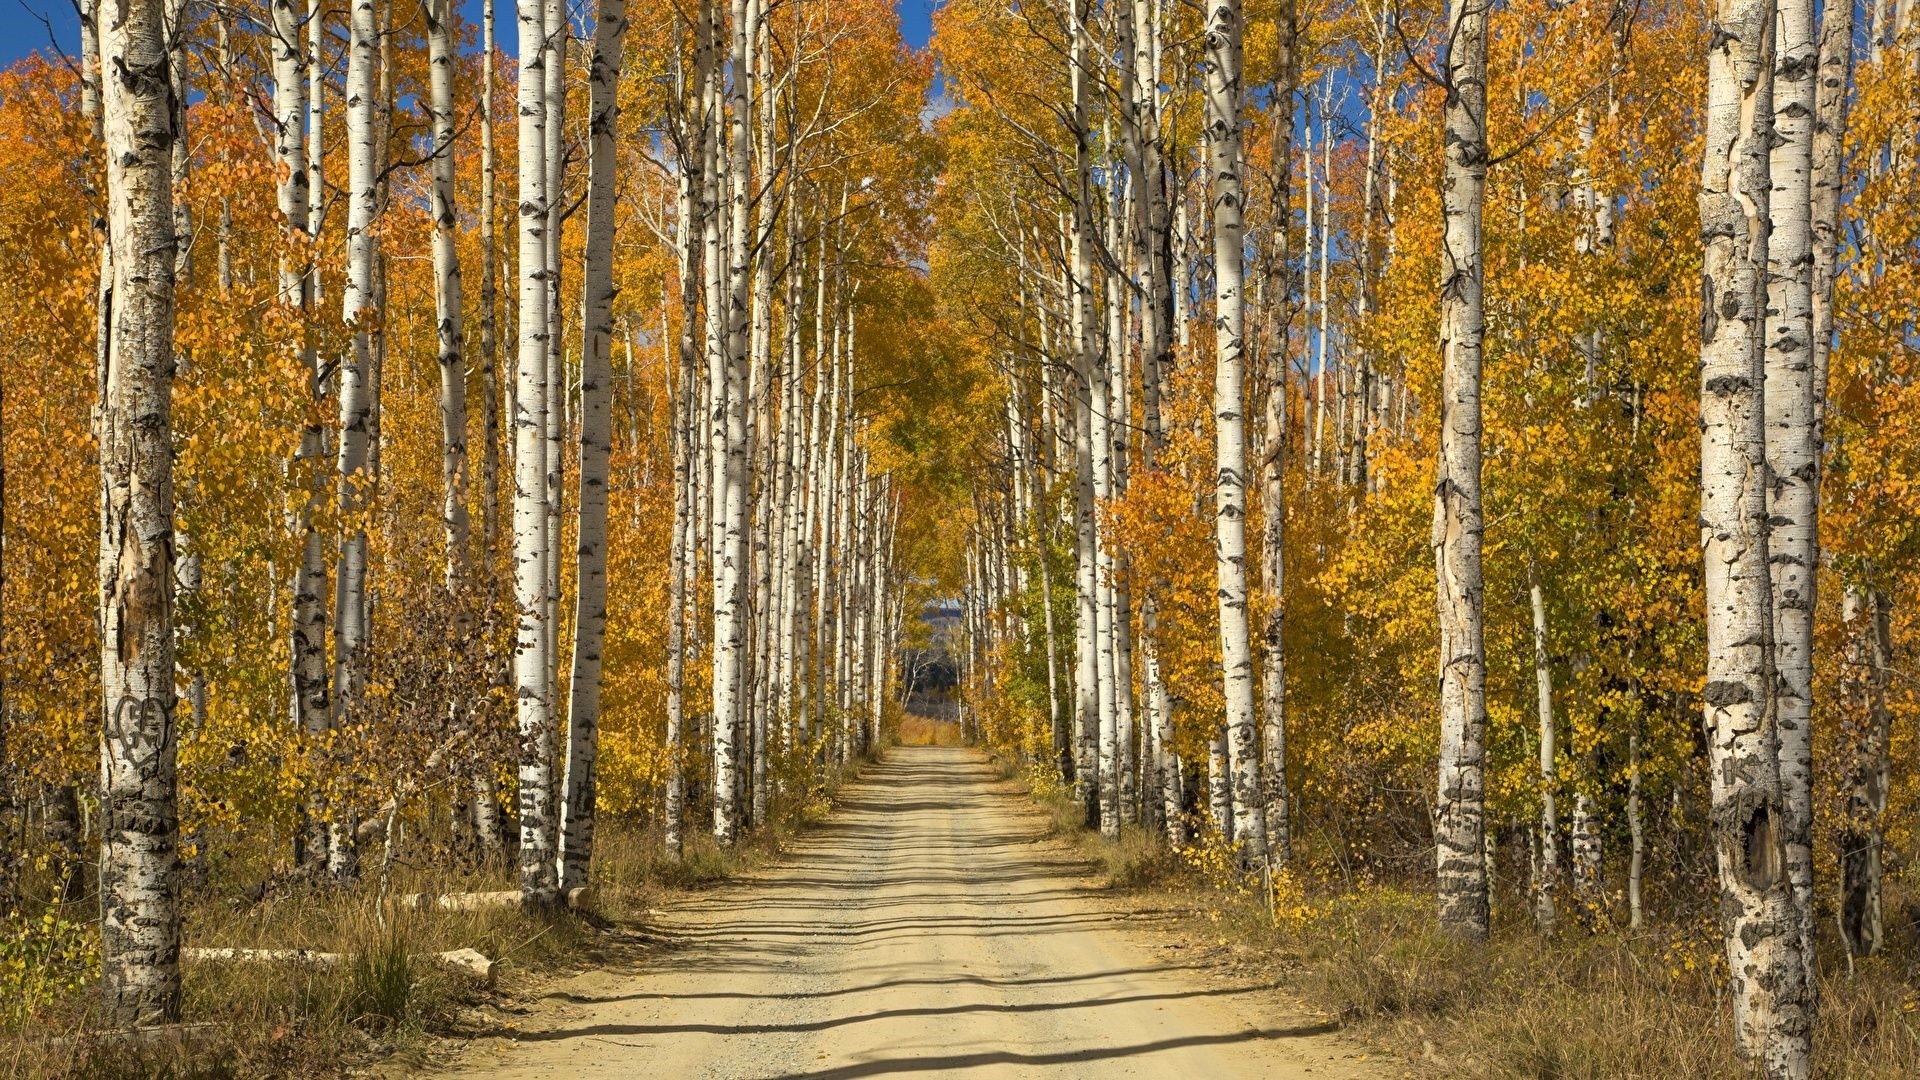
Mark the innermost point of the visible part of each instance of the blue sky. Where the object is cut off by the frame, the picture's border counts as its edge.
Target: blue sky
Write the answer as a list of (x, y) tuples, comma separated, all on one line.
[(22, 32)]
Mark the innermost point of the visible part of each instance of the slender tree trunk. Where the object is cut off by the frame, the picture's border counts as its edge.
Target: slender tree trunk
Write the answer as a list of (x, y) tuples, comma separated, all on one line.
[(1867, 618), (1771, 1009), (139, 826), (596, 437), (1460, 812), (447, 298), (1223, 35), (1792, 448), (309, 647), (360, 304), (1547, 879), (539, 883), (1273, 459), (489, 301)]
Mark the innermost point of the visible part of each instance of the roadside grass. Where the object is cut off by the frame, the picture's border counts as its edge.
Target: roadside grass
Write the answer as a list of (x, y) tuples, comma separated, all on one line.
[(1594, 1003), (387, 998)]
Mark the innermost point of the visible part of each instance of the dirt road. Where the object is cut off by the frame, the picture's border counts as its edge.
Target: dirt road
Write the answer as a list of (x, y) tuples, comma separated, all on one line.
[(927, 929)]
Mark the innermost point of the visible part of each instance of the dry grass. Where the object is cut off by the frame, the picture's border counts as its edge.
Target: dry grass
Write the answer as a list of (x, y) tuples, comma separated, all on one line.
[(388, 999), (1586, 1006), (1601, 1005)]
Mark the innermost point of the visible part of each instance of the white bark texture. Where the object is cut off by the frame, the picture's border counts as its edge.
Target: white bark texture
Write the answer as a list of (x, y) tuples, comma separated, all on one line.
[(360, 311), (532, 672), (1771, 1009), (1460, 810), (1273, 452), (1793, 458), (1547, 873), (1223, 36), (596, 443), (139, 824), (448, 321)]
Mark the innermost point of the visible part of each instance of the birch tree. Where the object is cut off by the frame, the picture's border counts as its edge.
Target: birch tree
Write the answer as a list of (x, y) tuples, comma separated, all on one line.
[(1792, 449), (448, 319), (1771, 1008), (362, 312), (1460, 811), (1273, 672), (531, 542), (596, 436), (1223, 38), (139, 823)]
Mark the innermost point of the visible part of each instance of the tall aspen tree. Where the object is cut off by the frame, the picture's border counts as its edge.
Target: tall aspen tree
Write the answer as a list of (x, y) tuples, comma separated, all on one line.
[(489, 304), (1273, 456), (1079, 298), (1547, 874), (360, 305), (139, 822), (448, 318), (533, 689), (309, 625), (1792, 448), (1225, 162), (596, 439), (1460, 812), (1772, 1011)]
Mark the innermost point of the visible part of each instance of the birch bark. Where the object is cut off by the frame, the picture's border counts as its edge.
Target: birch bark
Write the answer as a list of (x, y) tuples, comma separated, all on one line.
[(1273, 460), (1772, 1014), (1793, 458), (1547, 876), (539, 884), (1223, 34), (596, 439), (139, 827), (448, 318), (1460, 811)]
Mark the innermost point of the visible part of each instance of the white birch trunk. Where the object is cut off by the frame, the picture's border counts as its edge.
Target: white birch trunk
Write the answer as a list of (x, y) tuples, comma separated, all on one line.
[(311, 710), (1223, 34), (596, 444), (1793, 455), (1547, 876), (1460, 811), (353, 475), (139, 824), (539, 884), (448, 318), (1771, 1010), (1273, 457)]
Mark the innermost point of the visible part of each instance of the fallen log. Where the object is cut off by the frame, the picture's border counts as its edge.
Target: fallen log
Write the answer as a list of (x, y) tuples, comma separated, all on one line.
[(471, 961), (475, 901)]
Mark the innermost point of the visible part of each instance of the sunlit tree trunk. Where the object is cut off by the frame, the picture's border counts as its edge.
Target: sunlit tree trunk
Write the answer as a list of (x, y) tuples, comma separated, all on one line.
[(1086, 683), (489, 301), (539, 883), (309, 645), (139, 826), (559, 35), (1793, 454), (596, 438), (1771, 1010), (360, 305), (1459, 813), (448, 318), (1223, 34), (1547, 876), (1273, 458)]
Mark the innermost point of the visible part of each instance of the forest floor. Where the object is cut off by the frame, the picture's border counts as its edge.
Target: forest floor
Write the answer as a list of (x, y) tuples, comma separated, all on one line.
[(931, 925)]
